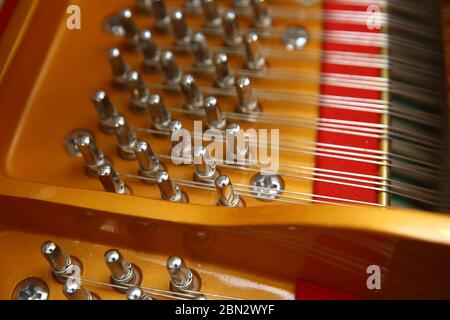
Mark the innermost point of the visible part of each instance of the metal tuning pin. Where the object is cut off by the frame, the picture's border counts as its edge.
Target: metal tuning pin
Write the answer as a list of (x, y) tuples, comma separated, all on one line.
[(193, 98), (182, 279), (254, 56), (130, 28), (180, 29), (170, 69), (185, 148), (161, 118), (205, 167), (150, 51), (224, 77), (106, 111), (111, 181), (73, 290), (123, 273), (138, 91), (211, 13), (214, 116), (162, 18), (126, 138), (267, 187), (200, 297), (247, 103), (62, 265), (169, 191), (118, 67), (232, 35), (238, 151), (149, 164), (136, 294), (261, 15), (193, 4), (93, 157), (227, 195), (202, 53), (144, 6)]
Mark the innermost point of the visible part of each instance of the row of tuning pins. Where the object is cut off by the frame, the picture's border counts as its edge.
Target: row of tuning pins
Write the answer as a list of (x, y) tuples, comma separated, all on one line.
[(151, 169), (196, 42), (125, 277)]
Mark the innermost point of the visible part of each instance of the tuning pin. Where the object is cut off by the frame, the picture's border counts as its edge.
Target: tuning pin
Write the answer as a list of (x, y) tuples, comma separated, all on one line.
[(131, 30), (202, 53), (238, 150), (227, 195), (62, 265), (138, 91), (180, 29), (162, 18), (169, 191), (214, 116), (169, 66), (211, 13), (200, 297), (137, 294), (144, 6), (149, 164), (106, 111), (247, 103), (126, 138), (111, 181), (185, 148), (224, 78), (261, 15), (193, 98), (232, 35), (182, 279), (73, 290), (255, 59), (93, 157), (193, 4), (161, 118), (123, 273), (150, 51), (118, 67), (205, 167)]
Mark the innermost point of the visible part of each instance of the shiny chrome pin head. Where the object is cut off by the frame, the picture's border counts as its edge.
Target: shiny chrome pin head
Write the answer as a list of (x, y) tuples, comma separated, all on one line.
[(150, 51), (170, 69), (261, 15), (162, 18), (70, 141), (93, 157), (73, 290), (247, 102), (61, 264), (169, 191), (180, 29), (105, 110), (238, 147), (136, 294), (149, 164), (182, 278), (31, 289), (119, 68), (211, 14), (111, 181), (123, 273), (126, 138), (161, 117), (130, 28), (205, 167), (224, 77), (214, 116), (254, 56), (193, 98), (267, 187), (228, 197), (202, 53), (232, 35), (138, 91)]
